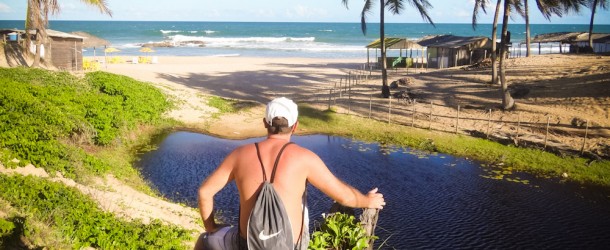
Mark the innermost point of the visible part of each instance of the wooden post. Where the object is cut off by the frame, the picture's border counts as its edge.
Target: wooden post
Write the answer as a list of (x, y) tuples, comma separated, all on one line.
[(457, 119), (430, 117), (370, 105), (488, 123), (340, 86), (368, 219), (584, 142), (413, 114), (329, 96), (389, 108), (349, 97), (546, 135), (518, 127)]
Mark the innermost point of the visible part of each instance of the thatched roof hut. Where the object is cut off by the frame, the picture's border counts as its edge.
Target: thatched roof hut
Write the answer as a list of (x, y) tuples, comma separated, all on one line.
[(450, 51), (601, 41)]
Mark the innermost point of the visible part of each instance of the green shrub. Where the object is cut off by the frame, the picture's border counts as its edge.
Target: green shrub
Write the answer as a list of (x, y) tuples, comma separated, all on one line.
[(340, 231), (40, 110), (81, 220)]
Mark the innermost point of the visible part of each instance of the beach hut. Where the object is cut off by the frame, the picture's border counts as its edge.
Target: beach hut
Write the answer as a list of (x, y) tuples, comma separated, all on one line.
[(578, 41), (62, 50), (444, 51), (394, 43)]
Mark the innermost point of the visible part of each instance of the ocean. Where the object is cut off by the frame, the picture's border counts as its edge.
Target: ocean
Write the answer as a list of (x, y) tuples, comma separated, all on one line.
[(275, 39)]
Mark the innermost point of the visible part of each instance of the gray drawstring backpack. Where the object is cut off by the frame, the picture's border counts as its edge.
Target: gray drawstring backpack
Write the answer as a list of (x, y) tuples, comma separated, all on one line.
[(269, 226)]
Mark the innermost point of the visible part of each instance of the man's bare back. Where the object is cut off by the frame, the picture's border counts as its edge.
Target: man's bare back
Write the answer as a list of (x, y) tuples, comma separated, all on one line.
[(297, 166)]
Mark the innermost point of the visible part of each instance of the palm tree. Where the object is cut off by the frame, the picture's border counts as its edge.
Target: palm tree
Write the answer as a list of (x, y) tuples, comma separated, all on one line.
[(527, 29), (395, 6), (481, 4), (594, 3), (547, 7), (37, 18)]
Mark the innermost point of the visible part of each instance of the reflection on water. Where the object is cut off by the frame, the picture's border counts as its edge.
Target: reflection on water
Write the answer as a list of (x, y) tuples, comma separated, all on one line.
[(433, 200)]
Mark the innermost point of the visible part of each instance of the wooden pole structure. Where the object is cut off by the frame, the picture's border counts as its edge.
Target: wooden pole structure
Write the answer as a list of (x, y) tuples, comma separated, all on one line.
[(488, 123), (370, 105), (368, 219), (430, 117), (329, 96), (349, 97), (413, 114), (584, 142), (546, 135), (518, 127), (457, 119), (389, 108)]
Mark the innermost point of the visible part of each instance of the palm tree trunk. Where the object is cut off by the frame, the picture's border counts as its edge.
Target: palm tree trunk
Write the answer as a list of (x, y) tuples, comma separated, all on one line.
[(36, 63), (494, 60), (527, 29), (595, 2), (507, 100), (385, 89)]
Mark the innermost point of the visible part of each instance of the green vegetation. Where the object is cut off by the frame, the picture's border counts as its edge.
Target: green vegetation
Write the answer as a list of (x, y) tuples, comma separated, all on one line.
[(340, 231), (518, 159), (83, 223), (226, 106), (46, 118), (79, 127)]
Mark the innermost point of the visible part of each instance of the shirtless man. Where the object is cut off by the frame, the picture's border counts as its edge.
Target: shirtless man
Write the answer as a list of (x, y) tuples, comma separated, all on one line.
[(296, 166)]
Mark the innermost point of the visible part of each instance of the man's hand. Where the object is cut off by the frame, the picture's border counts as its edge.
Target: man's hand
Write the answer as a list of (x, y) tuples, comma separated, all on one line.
[(375, 199)]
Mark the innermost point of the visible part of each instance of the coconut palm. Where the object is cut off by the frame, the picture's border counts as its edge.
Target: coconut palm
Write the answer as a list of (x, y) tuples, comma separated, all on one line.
[(37, 18), (594, 3), (395, 7), (546, 7)]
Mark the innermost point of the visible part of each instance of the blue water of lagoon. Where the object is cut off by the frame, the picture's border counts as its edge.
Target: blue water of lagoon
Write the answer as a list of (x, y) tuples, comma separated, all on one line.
[(433, 200)]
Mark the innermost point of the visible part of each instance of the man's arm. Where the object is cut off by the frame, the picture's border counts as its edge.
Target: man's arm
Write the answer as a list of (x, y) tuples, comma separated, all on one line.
[(214, 183), (320, 176)]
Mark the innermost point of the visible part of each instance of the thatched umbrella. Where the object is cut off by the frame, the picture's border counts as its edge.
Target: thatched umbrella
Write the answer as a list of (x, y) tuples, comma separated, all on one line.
[(147, 50), (91, 41)]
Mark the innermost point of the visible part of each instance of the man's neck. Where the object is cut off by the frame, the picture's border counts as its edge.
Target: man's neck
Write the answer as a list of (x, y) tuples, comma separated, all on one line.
[(284, 137)]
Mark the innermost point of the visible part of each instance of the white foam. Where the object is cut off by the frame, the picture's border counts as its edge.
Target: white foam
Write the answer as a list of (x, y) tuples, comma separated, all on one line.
[(209, 31), (169, 31)]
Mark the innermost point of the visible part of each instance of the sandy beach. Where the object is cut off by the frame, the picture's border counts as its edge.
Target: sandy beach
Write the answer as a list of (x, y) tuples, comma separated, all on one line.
[(563, 90)]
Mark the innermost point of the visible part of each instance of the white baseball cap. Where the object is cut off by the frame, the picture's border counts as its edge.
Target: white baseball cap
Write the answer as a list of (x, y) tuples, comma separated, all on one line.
[(282, 107)]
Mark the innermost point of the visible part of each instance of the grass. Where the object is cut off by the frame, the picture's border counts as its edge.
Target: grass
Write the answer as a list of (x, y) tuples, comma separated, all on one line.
[(226, 106), (530, 160)]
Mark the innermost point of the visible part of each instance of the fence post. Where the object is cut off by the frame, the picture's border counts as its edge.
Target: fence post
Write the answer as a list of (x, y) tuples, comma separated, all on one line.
[(488, 123), (430, 117), (340, 87), (457, 119), (349, 97), (584, 142), (370, 105), (389, 108), (546, 135), (413, 114), (330, 93), (518, 126)]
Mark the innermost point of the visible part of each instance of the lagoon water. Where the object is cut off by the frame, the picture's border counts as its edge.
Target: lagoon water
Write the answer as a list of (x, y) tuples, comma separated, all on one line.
[(434, 201)]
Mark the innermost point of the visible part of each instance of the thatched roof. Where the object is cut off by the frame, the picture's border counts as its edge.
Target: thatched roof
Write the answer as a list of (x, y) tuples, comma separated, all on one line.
[(571, 37), (451, 41), (394, 43), (90, 41)]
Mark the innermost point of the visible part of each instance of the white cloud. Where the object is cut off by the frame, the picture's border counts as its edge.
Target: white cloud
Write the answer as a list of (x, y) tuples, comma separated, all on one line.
[(5, 8)]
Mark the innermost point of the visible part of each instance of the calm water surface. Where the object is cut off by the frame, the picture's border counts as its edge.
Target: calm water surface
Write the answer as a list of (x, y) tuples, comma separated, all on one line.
[(433, 200)]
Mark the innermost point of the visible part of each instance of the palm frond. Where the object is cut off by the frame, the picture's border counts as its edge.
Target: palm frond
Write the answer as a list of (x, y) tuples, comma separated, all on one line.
[(478, 4), (395, 6), (422, 6), (368, 5), (345, 3)]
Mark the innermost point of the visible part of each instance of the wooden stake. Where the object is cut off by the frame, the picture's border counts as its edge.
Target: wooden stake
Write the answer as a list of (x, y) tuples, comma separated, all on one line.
[(518, 126), (389, 108), (413, 114), (457, 119), (330, 93), (430, 117), (488, 123), (370, 105), (584, 142), (546, 135)]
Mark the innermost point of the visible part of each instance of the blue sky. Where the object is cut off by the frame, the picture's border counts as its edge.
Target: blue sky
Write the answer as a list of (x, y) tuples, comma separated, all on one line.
[(443, 11)]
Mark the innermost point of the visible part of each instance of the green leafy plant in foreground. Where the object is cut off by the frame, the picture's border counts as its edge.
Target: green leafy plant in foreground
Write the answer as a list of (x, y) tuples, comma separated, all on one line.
[(340, 231), (83, 223)]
